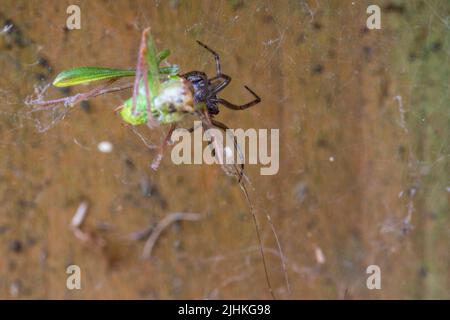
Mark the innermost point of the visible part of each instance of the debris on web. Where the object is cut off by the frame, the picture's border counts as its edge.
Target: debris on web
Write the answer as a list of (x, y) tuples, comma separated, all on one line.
[(44, 117)]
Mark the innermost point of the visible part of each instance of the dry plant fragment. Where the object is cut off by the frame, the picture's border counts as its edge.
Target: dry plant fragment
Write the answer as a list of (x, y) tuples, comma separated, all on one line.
[(163, 224), (77, 222)]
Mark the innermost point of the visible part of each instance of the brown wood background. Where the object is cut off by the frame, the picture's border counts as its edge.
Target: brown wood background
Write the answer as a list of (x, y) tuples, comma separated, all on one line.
[(327, 83)]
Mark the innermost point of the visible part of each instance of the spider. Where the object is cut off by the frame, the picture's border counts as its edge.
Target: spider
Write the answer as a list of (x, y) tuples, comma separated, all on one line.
[(205, 90)]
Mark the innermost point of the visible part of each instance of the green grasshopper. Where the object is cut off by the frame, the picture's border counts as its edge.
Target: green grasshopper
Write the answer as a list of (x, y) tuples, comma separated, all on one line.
[(159, 95)]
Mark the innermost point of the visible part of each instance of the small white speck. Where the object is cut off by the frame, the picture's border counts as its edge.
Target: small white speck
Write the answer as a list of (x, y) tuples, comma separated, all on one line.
[(448, 189), (105, 147), (228, 152), (15, 288), (331, 159), (79, 215), (320, 257)]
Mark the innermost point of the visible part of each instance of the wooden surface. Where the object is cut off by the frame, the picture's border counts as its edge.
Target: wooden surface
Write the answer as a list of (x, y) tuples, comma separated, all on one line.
[(354, 159)]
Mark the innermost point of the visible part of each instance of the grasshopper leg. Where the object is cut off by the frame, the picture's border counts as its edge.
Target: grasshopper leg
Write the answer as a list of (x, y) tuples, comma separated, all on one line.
[(159, 155), (139, 65), (142, 72)]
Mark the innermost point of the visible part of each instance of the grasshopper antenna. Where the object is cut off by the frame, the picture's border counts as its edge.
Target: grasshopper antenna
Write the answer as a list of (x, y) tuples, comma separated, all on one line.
[(255, 221)]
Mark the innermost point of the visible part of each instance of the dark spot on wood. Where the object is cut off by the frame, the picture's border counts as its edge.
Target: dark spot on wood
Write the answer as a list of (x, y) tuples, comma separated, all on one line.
[(267, 18), (236, 4), (322, 143), (3, 229), (301, 38), (129, 163), (423, 271), (30, 241), (41, 77), (367, 52), (239, 60), (65, 90), (436, 46), (332, 53), (86, 106), (401, 150), (394, 8), (174, 4), (15, 246), (364, 30), (25, 204), (151, 190), (44, 63), (311, 224), (317, 69)]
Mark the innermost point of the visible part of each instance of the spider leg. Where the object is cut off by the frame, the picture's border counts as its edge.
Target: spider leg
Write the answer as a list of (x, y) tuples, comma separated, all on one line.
[(216, 57), (216, 88), (243, 106)]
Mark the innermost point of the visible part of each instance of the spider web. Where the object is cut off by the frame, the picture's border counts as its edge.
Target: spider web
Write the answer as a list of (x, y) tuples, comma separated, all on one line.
[(364, 153)]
